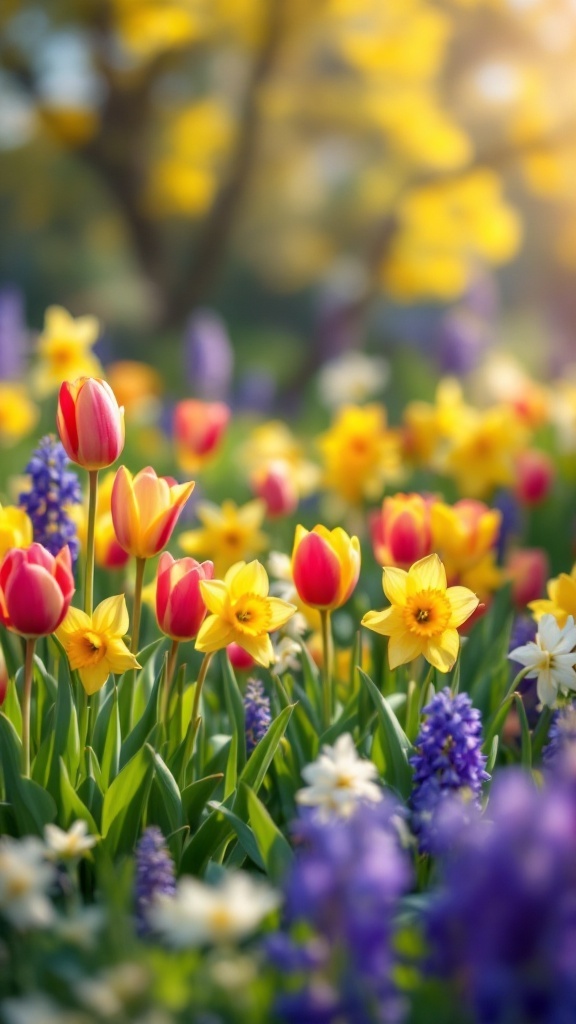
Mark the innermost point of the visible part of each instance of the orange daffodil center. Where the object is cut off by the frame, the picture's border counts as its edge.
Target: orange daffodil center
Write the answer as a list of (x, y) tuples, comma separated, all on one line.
[(242, 612), (424, 614), (94, 643)]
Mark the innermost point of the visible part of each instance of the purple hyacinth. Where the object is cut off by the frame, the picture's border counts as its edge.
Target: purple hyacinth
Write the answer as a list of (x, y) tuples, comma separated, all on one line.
[(257, 713), (561, 737), (53, 489), (342, 893), (13, 334), (154, 875), (448, 762), (502, 926), (209, 356), (461, 342)]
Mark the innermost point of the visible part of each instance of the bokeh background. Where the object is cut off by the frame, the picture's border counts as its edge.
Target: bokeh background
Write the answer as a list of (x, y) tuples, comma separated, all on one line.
[(307, 176)]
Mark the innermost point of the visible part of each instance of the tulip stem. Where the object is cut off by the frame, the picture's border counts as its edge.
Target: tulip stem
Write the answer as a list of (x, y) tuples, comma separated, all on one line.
[(89, 579), (170, 665), (26, 701), (327, 696), (195, 720), (137, 609)]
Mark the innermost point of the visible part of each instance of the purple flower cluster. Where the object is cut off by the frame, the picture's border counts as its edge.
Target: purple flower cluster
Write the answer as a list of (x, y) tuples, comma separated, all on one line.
[(448, 762), (154, 875), (53, 489), (502, 926), (343, 891), (257, 713), (561, 737)]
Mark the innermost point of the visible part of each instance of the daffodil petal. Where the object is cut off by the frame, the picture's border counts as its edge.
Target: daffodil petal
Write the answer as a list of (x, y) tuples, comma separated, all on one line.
[(442, 652), (93, 677), (251, 578), (280, 612), (463, 603), (402, 648), (260, 647), (394, 583), (385, 622), (214, 594), (111, 616), (119, 658), (428, 574), (75, 620), (214, 634)]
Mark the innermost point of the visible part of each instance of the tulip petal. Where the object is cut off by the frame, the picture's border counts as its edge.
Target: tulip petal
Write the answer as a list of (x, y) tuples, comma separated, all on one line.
[(34, 600), (125, 512)]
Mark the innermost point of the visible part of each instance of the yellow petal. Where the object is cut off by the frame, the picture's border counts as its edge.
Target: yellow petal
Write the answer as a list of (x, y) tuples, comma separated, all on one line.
[(260, 647), (119, 658), (214, 634), (442, 652), (93, 677), (386, 622), (394, 582), (463, 602), (251, 578), (280, 612), (402, 648), (111, 617), (427, 574), (215, 595), (74, 621)]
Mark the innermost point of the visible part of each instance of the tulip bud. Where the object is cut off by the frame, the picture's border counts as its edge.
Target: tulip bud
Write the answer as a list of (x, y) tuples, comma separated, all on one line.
[(36, 589), (145, 510), (180, 609), (528, 569), (90, 423), (325, 566), (401, 532), (534, 476), (239, 658), (274, 484), (198, 431)]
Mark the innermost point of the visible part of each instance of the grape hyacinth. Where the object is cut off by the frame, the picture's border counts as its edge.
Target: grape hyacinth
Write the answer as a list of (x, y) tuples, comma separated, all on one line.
[(448, 762), (155, 875), (257, 713), (344, 887), (561, 737), (502, 926), (53, 489)]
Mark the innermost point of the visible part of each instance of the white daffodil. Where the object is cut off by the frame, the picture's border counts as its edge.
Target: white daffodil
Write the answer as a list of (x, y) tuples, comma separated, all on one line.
[(338, 780), (68, 845), (36, 1009), (287, 656), (352, 377), (200, 913), (550, 658), (24, 880)]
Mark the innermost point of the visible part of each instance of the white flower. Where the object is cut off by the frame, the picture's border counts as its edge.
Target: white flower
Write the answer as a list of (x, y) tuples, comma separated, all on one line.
[(67, 845), (24, 879), (352, 377), (38, 1009), (287, 655), (339, 779), (108, 992), (550, 657), (200, 913)]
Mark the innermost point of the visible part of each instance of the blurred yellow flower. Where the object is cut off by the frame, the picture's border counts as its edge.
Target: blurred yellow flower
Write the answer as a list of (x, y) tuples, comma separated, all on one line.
[(360, 453), (465, 536), (138, 388), (428, 428), (18, 415), (15, 529), (65, 350), (274, 441), (230, 533), (561, 600), (149, 27), (482, 458)]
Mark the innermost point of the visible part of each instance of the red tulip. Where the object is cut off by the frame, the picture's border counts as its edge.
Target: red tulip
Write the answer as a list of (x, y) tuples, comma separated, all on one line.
[(401, 530), (534, 476), (274, 484), (528, 569), (36, 589), (325, 566), (90, 423), (180, 609), (198, 430), (240, 659)]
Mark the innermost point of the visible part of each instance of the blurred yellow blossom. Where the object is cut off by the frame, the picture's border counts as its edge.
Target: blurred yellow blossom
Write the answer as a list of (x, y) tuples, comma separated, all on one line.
[(482, 458), (230, 533), (274, 441), (360, 453), (18, 415), (65, 350), (561, 600), (15, 529), (148, 27), (428, 428), (138, 387), (465, 536)]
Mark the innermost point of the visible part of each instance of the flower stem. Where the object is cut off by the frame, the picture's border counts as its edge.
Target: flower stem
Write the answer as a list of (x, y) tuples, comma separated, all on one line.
[(26, 701), (195, 720), (89, 578), (170, 665), (137, 609), (327, 695)]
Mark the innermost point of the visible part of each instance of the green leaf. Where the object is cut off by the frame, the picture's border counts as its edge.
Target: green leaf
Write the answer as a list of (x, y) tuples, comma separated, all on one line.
[(258, 763), (244, 833), (397, 746), (124, 803), (72, 807), (110, 760), (66, 735), (169, 811), (141, 731), (526, 741), (11, 706), (235, 709), (274, 848), (195, 797), (32, 806)]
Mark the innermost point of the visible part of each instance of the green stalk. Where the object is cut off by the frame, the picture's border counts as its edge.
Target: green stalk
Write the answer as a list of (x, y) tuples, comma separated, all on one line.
[(327, 694), (195, 718), (26, 702), (169, 674), (89, 578), (137, 609)]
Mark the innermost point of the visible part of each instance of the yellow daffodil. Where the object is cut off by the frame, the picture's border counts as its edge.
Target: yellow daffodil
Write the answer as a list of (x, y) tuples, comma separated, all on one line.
[(18, 415), (561, 600), (424, 614), (359, 452), (274, 441), (483, 457), (65, 350), (242, 612), (15, 529), (94, 644), (465, 535), (230, 533)]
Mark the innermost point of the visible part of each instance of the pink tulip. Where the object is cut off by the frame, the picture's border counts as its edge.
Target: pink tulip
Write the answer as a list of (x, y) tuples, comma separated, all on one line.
[(534, 476), (274, 484), (36, 589), (239, 658), (90, 423), (528, 569), (198, 431), (180, 609), (145, 510)]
